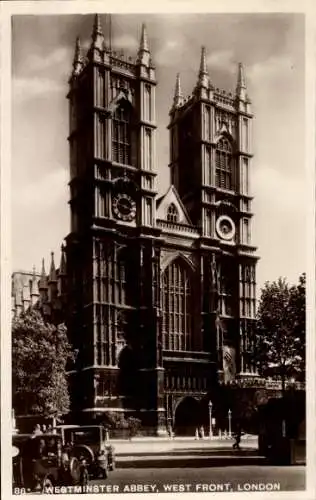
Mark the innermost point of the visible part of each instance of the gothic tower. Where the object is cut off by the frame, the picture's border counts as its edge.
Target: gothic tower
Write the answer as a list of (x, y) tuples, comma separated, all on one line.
[(210, 166), (159, 291), (112, 263)]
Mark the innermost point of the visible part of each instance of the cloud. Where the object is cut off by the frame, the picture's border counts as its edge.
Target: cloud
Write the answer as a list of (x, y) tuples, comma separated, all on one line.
[(222, 59), (271, 68), (126, 41), (279, 191), (27, 88), (36, 194), (39, 63), (169, 51)]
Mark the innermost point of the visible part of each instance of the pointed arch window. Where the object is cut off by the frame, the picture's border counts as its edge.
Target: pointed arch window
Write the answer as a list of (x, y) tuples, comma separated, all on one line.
[(224, 164), (177, 307), (172, 213), (122, 134)]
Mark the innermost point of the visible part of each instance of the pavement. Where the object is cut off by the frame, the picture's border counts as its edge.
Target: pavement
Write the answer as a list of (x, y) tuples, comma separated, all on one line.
[(149, 446), (185, 452)]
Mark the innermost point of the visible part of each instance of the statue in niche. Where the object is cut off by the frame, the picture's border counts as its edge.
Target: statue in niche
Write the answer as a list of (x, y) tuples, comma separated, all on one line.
[(214, 284), (214, 272)]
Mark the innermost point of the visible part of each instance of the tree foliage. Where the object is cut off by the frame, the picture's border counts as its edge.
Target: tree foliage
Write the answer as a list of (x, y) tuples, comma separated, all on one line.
[(280, 330), (40, 352)]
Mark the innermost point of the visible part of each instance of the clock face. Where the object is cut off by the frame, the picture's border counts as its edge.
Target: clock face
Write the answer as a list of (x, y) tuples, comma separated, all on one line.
[(124, 207), (225, 228)]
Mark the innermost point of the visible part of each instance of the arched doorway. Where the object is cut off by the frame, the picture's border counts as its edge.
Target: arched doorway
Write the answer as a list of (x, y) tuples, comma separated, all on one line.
[(187, 417)]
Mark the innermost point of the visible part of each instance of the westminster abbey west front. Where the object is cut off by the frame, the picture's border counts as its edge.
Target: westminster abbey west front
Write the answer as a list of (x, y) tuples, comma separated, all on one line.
[(161, 289)]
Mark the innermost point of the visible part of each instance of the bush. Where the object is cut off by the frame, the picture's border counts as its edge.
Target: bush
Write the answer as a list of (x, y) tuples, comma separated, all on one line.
[(134, 425), (116, 421)]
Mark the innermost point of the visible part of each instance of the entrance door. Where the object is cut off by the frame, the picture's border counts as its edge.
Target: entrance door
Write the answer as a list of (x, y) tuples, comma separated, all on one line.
[(187, 417)]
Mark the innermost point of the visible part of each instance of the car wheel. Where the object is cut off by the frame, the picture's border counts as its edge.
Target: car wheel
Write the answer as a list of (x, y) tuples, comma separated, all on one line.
[(74, 469)]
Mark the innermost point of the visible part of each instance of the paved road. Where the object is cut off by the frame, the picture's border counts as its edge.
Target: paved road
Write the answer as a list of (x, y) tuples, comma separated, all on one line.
[(230, 478)]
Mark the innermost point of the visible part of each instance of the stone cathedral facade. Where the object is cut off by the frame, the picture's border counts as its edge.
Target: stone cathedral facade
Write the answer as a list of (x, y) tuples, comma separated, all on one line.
[(160, 289)]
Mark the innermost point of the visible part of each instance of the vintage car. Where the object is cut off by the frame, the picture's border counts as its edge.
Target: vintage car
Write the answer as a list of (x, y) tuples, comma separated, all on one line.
[(41, 462), (89, 444)]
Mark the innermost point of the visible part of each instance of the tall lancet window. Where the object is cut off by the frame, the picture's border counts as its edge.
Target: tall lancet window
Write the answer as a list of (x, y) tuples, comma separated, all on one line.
[(121, 138), (224, 164), (177, 307)]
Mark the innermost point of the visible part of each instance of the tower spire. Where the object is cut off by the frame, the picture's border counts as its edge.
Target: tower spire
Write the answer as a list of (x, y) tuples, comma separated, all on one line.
[(203, 79), (143, 56), (241, 84), (52, 272), (43, 279), (178, 97), (62, 267), (97, 45), (144, 40), (78, 59)]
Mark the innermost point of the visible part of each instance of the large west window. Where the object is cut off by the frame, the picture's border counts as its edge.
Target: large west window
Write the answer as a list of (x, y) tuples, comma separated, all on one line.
[(121, 135), (177, 307), (224, 164)]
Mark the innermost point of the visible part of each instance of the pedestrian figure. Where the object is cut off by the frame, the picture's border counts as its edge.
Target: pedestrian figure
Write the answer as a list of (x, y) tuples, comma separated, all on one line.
[(44, 429), (237, 437), (37, 430)]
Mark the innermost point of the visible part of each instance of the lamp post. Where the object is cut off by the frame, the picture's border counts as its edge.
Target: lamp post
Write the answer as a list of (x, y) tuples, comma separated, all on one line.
[(210, 418), (229, 423)]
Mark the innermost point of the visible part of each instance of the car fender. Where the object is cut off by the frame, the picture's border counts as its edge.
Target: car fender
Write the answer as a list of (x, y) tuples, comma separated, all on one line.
[(85, 451)]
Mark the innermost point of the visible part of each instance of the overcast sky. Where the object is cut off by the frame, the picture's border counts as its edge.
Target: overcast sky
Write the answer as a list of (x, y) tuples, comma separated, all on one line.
[(271, 46)]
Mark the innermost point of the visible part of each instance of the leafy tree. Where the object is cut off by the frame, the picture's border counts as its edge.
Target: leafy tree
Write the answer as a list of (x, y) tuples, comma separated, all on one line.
[(40, 352), (280, 330)]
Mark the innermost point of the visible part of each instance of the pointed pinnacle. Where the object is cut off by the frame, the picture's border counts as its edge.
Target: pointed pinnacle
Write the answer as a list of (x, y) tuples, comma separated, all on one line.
[(78, 59), (62, 267), (52, 272), (203, 67), (43, 280), (97, 30), (177, 92), (43, 273), (203, 79), (78, 54), (144, 47), (241, 83)]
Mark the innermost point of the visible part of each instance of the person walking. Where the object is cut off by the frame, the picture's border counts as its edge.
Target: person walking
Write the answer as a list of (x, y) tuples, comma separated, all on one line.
[(37, 430), (237, 436)]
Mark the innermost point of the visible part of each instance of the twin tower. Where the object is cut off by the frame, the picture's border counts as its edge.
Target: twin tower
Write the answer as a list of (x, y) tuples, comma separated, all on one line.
[(161, 290)]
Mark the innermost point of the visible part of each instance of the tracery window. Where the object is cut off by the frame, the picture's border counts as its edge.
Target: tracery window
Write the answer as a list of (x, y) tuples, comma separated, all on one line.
[(172, 214), (224, 164), (121, 140), (176, 307)]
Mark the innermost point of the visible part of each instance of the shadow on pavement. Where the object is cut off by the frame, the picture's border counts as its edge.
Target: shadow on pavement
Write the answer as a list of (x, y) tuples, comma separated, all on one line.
[(194, 452), (190, 462)]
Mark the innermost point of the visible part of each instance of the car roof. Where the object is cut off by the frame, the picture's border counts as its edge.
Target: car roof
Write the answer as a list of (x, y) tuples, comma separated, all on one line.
[(78, 426), (46, 435)]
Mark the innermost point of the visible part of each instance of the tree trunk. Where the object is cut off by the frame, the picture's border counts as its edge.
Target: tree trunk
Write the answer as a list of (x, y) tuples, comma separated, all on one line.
[(283, 384)]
